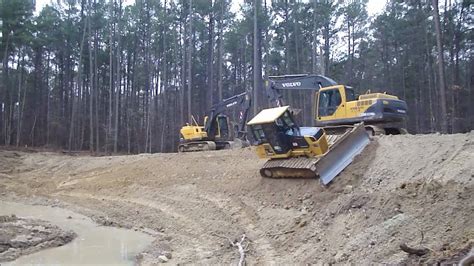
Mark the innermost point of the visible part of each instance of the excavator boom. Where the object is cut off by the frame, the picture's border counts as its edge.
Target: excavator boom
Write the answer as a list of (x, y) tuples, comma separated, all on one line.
[(294, 82)]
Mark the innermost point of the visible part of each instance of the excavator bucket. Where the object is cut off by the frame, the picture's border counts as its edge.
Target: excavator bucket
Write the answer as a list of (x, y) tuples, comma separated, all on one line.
[(342, 150)]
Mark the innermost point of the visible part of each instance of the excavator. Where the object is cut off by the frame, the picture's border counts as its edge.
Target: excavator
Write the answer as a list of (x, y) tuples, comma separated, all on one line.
[(337, 105), (217, 132), (310, 152)]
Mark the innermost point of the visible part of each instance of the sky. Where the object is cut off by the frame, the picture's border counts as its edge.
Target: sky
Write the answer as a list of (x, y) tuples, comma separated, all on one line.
[(373, 7)]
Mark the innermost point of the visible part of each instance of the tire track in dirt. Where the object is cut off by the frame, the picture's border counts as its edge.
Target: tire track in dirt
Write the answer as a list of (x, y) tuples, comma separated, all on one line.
[(199, 239), (264, 248), (194, 230)]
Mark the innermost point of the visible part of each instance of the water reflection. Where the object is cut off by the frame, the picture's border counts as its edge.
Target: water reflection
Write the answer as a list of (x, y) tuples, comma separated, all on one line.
[(93, 245)]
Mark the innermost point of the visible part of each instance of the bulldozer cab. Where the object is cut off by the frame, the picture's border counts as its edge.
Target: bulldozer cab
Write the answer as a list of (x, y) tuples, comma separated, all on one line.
[(275, 126)]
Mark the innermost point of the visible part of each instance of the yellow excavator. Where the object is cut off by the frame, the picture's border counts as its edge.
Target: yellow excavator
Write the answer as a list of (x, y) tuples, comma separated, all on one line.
[(338, 106), (343, 121), (218, 132)]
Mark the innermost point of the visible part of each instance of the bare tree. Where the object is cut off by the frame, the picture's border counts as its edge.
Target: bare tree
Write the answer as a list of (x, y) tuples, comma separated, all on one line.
[(190, 51), (256, 59), (442, 84)]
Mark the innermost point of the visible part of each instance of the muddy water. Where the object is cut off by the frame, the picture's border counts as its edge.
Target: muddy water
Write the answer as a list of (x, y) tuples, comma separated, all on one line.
[(94, 244)]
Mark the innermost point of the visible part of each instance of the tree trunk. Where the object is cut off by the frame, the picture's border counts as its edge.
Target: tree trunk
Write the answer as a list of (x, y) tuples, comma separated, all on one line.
[(118, 79), (111, 74), (91, 87), (314, 43), (220, 51), (79, 86), (442, 85), (97, 93), (20, 102), (210, 58), (256, 65), (47, 100), (190, 51)]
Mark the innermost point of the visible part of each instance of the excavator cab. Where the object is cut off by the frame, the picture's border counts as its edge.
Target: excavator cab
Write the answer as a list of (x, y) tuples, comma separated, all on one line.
[(220, 128), (332, 102)]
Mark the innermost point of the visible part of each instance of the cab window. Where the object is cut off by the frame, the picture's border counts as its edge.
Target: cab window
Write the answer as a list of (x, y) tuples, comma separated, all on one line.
[(288, 121), (258, 132), (350, 94), (329, 100)]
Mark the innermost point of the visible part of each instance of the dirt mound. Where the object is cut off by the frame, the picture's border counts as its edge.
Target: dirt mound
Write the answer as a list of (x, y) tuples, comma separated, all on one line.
[(403, 189), (19, 236)]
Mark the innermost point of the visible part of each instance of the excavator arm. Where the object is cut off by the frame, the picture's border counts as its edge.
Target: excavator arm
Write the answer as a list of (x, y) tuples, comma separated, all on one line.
[(294, 82), (242, 100)]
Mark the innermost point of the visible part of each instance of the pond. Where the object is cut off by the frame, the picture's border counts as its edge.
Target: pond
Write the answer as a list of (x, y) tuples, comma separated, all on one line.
[(94, 244)]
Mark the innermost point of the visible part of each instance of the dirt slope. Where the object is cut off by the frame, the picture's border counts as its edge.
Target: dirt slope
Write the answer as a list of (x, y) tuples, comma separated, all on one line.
[(403, 189)]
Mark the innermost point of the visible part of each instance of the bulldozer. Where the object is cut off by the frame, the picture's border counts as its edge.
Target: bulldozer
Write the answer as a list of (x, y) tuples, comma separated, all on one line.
[(217, 132), (337, 106), (303, 152)]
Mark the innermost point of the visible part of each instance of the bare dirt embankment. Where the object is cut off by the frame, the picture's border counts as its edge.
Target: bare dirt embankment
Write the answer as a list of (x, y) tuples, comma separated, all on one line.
[(408, 189)]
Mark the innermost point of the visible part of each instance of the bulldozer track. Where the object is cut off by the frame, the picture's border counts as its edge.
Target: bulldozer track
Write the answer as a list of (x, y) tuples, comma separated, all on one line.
[(300, 167), (342, 149)]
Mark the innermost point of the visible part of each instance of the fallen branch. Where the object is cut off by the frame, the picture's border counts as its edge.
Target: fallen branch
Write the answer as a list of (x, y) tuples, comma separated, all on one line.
[(416, 251), (281, 233), (241, 249)]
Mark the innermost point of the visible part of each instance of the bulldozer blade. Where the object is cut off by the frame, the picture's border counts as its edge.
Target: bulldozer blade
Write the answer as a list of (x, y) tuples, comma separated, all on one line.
[(341, 154)]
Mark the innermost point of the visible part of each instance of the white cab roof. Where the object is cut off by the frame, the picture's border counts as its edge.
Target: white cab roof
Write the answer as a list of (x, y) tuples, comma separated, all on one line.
[(268, 115)]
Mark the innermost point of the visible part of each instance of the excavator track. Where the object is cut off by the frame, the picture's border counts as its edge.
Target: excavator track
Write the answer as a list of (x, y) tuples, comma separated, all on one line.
[(372, 129), (343, 148), (197, 146)]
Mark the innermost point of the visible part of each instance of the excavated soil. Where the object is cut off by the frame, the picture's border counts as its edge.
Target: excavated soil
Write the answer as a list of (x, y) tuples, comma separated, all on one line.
[(412, 189)]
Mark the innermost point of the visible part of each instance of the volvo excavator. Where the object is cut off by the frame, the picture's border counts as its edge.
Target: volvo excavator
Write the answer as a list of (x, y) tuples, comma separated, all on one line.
[(309, 152), (217, 132), (337, 106)]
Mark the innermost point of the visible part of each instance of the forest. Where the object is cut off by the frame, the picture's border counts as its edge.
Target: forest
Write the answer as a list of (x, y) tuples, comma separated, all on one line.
[(123, 76)]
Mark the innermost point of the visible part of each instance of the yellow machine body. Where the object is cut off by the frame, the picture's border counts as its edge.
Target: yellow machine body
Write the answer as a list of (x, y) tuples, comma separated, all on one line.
[(190, 132), (197, 132), (303, 152), (337, 105), (315, 147)]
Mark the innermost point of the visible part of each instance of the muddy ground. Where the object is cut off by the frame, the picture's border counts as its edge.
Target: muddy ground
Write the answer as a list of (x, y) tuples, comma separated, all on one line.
[(408, 189), (20, 236)]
